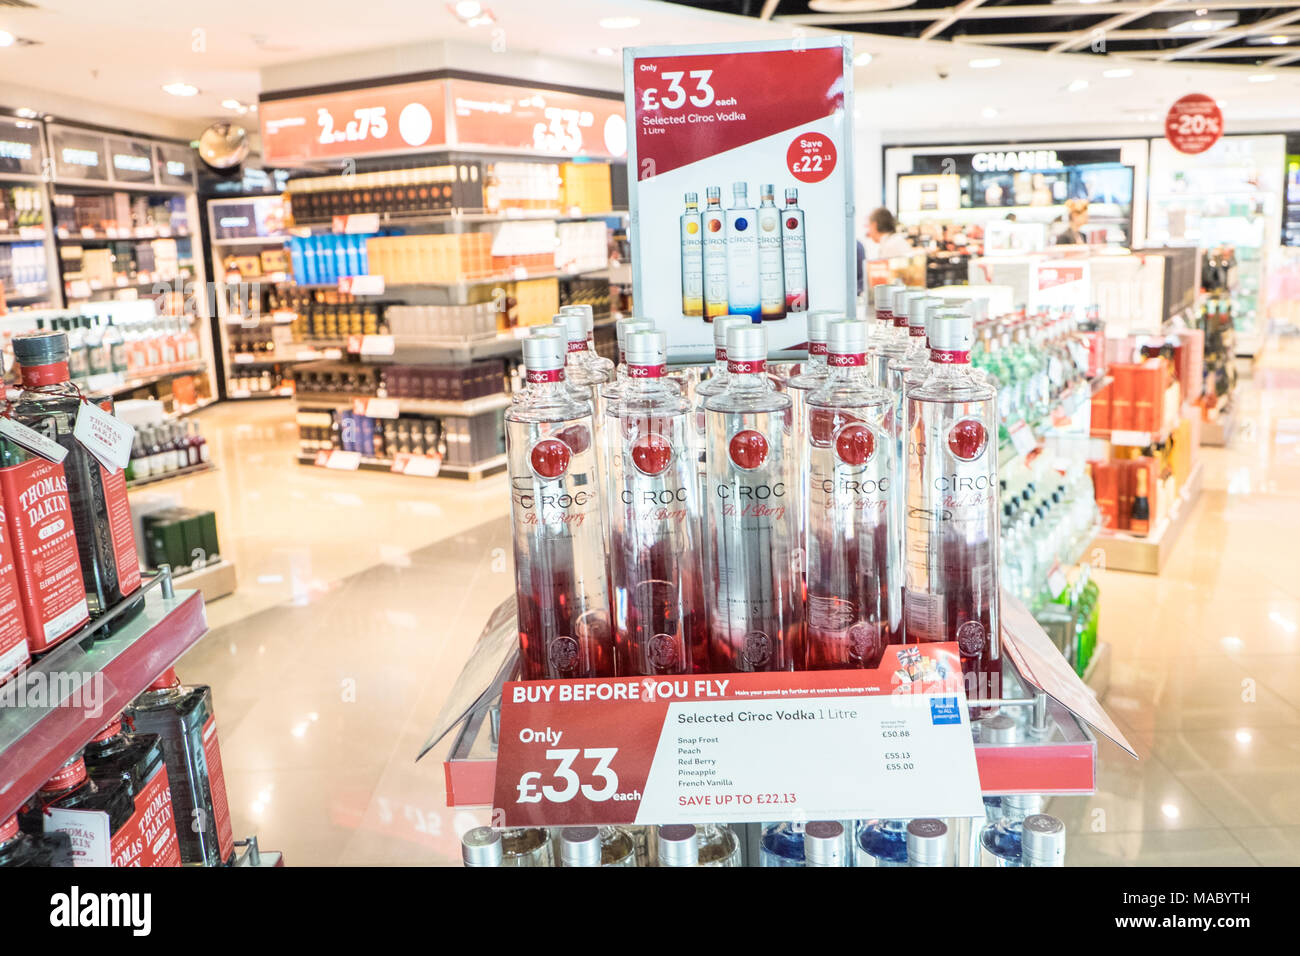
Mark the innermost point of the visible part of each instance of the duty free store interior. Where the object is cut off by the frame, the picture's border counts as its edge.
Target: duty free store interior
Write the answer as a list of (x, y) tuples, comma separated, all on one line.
[(317, 271)]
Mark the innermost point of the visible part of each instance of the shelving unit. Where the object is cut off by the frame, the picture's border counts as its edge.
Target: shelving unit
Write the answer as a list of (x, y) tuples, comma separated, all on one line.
[(71, 693), (1147, 555), (483, 469)]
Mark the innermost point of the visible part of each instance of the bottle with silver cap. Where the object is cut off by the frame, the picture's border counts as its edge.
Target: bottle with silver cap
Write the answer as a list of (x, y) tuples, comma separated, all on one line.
[(678, 845), (854, 587), (715, 255), (584, 370), (508, 846), (596, 846), (953, 510), (882, 329), (881, 843), (560, 576), (1042, 841), (753, 592), (771, 264), (1001, 842), (692, 258), (659, 621), (481, 846), (893, 342), (812, 375), (928, 843), (101, 513), (624, 326), (817, 843)]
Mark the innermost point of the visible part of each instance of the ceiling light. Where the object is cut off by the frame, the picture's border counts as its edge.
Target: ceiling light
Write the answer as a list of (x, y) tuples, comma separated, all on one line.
[(1078, 86), (27, 113), (863, 59), (1262, 78), (989, 113), (620, 23), (604, 51), (1278, 40), (1244, 736), (1170, 810), (181, 89), (467, 9), (1117, 74), (231, 104), (1203, 23), (6, 38), (985, 63)]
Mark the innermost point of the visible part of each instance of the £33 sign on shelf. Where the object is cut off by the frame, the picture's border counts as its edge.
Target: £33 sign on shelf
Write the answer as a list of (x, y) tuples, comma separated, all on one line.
[(568, 776)]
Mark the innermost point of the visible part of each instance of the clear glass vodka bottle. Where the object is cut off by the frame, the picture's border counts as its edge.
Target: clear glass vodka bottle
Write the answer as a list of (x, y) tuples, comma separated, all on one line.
[(586, 372), (794, 253), (894, 341), (564, 627), (854, 587), (742, 255), (1001, 842), (715, 255), (771, 263), (596, 846), (952, 507), (882, 329), (659, 620), (692, 258), (812, 375), (753, 591)]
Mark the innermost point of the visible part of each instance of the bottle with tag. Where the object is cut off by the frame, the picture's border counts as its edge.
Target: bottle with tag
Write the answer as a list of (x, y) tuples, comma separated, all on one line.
[(101, 514)]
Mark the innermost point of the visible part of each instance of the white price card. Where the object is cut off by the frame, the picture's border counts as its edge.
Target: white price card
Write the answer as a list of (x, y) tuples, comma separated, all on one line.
[(891, 742), (33, 441), (339, 460), (376, 407), (362, 223), (1022, 437), (107, 438), (362, 285), (377, 345), (1057, 582), (419, 466), (1130, 438)]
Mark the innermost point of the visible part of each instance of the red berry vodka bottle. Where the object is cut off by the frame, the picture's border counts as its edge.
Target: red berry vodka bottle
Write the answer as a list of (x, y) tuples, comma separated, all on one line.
[(659, 622), (564, 628), (854, 597), (753, 589), (811, 376), (893, 343), (882, 329), (586, 374), (952, 506)]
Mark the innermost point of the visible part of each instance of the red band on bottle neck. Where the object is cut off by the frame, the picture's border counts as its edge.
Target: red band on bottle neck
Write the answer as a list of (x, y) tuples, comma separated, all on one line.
[(945, 357), (537, 376), (65, 778), (900, 321), (37, 375), (112, 730), (817, 348), (577, 345), (917, 331), (647, 371), (741, 367), (884, 315), (720, 354), (165, 680), (846, 360), (9, 829)]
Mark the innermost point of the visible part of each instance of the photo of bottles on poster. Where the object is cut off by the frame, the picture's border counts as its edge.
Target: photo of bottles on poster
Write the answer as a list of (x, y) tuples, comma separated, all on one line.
[(741, 187)]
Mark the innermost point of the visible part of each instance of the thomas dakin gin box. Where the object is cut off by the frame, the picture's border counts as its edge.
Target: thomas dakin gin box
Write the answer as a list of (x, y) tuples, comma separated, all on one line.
[(13, 625), (95, 816), (38, 527), (136, 760), (183, 718)]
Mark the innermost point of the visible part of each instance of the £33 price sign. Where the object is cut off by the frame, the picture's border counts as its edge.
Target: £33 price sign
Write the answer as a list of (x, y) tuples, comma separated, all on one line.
[(680, 87), (562, 781)]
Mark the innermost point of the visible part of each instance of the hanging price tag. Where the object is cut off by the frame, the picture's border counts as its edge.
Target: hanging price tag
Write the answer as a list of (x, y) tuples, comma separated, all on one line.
[(32, 440), (1056, 580), (1022, 436), (107, 438)]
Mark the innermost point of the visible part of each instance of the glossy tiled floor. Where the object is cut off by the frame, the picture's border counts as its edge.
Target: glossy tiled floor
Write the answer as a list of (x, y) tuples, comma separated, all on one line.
[(361, 594)]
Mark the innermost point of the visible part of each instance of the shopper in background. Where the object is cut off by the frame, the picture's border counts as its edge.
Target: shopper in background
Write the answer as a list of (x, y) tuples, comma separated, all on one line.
[(1073, 233), (883, 239)]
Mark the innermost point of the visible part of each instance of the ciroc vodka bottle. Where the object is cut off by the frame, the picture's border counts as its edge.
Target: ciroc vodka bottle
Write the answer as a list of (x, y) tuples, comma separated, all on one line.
[(564, 627), (952, 507), (692, 257), (753, 589), (794, 253), (771, 263), (812, 375), (659, 621), (854, 595), (742, 255), (715, 255)]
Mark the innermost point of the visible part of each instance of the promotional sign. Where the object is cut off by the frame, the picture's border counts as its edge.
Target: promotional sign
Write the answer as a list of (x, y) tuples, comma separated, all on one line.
[(741, 186), (501, 116), (893, 742), (78, 154), (1194, 123), (21, 150)]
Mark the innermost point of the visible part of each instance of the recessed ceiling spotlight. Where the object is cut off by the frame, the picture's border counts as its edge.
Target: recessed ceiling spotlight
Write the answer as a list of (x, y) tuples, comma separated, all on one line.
[(27, 113), (863, 59), (231, 104), (1078, 86), (471, 13), (1262, 77), (181, 89), (985, 63), (6, 38), (1118, 73), (989, 113), (605, 51), (620, 23)]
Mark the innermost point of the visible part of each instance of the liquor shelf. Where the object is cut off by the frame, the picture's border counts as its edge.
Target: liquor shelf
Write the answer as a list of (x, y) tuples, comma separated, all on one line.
[(115, 385), (178, 473), (120, 235), (385, 219), (1147, 555), (1070, 402), (481, 469), (411, 406), (55, 706)]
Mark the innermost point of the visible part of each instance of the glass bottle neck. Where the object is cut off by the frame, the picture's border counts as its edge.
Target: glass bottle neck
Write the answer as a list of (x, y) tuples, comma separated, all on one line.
[(849, 369), (748, 374)]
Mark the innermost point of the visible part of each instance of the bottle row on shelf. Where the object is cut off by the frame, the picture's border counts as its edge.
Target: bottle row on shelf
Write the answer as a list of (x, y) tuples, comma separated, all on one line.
[(1014, 834), (165, 449), (134, 344), (151, 796), (20, 208), (455, 440), (23, 268), (119, 213), (329, 315), (460, 382)]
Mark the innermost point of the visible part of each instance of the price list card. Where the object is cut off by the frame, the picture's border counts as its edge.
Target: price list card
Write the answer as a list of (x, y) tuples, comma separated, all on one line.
[(893, 742)]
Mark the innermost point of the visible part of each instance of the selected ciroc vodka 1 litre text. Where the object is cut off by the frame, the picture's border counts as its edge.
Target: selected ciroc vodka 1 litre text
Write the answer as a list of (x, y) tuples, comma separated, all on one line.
[(742, 255)]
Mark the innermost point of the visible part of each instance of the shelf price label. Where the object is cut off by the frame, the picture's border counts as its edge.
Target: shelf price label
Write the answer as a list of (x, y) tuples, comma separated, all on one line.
[(376, 408), (1022, 437), (890, 742), (417, 466), (362, 285), (338, 460)]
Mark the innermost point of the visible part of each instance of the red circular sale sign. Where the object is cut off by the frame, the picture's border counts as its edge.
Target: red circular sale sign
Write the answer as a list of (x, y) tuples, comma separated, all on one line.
[(811, 157), (1194, 123)]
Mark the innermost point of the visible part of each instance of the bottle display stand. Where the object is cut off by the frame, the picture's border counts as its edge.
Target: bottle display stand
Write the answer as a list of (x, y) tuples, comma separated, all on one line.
[(1054, 753), (1147, 555), (55, 706)]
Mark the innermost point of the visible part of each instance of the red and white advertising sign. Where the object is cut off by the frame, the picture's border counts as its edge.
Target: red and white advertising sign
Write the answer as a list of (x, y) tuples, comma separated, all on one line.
[(437, 113), (1194, 123), (893, 742), (714, 128)]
